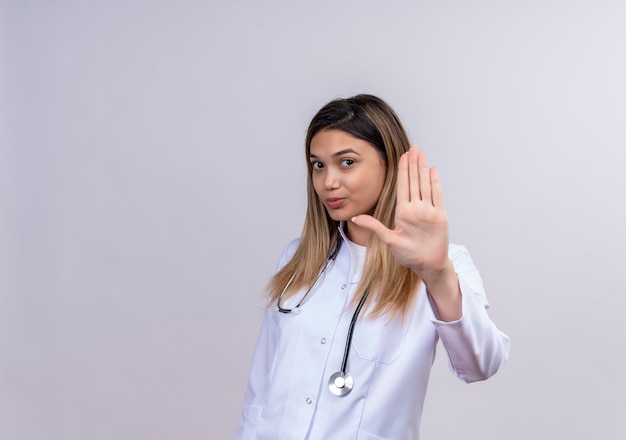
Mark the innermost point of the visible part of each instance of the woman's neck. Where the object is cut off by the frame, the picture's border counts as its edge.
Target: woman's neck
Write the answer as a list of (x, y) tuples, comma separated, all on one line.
[(357, 234)]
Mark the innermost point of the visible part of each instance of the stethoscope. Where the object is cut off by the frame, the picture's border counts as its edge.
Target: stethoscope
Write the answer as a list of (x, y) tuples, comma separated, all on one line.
[(340, 383)]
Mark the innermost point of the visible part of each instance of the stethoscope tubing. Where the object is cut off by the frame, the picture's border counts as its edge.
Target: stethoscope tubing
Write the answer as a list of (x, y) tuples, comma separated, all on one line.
[(341, 382), (344, 363), (296, 309)]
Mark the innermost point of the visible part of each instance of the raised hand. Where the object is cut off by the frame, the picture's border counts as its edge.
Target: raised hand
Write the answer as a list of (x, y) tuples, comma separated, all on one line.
[(419, 239)]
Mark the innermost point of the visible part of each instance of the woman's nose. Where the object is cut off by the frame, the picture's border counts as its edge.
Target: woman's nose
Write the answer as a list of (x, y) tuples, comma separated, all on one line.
[(331, 180)]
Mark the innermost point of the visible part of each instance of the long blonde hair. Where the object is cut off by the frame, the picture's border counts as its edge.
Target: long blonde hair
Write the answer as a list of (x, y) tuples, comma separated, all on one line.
[(393, 287)]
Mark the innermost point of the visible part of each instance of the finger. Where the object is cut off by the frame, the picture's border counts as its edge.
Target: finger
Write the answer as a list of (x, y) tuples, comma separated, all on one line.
[(424, 177), (414, 185), (402, 185), (373, 225), (435, 183)]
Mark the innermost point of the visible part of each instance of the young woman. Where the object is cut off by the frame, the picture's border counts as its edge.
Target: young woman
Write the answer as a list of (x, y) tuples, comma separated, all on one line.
[(361, 299)]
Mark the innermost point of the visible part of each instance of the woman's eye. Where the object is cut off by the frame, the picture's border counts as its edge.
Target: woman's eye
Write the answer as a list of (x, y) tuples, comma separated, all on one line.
[(317, 165), (347, 162)]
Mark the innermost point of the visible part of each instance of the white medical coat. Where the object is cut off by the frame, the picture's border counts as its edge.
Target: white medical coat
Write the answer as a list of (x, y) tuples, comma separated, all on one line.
[(288, 396)]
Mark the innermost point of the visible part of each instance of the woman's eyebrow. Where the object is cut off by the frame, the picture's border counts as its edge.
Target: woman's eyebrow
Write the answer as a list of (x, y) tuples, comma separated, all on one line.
[(338, 153)]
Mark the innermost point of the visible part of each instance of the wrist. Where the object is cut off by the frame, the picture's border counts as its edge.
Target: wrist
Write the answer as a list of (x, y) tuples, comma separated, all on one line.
[(438, 276), (443, 287)]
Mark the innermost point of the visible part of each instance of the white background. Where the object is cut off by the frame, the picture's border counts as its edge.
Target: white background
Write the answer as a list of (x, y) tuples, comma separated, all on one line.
[(152, 170)]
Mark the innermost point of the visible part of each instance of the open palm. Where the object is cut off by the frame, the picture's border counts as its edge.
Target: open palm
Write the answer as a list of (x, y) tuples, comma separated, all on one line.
[(419, 239)]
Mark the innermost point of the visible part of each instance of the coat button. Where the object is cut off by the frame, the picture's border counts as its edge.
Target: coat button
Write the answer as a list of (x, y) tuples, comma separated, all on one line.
[(323, 340), (343, 286), (308, 400)]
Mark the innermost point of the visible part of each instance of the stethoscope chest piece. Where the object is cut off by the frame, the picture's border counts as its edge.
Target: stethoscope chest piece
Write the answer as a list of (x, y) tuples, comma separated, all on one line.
[(340, 383)]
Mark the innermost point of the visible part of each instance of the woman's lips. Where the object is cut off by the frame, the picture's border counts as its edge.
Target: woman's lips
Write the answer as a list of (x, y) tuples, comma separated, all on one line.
[(334, 203)]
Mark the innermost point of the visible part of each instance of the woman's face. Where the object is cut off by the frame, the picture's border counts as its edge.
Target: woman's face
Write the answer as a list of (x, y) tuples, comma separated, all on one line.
[(348, 176)]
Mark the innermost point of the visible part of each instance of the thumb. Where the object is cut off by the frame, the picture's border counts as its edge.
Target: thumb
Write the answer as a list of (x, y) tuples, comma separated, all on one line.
[(371, 224)]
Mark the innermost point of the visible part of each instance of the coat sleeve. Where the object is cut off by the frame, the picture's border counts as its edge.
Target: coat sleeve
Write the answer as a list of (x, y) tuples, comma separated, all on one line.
[(262, 362), (262, 366), (476, 348)]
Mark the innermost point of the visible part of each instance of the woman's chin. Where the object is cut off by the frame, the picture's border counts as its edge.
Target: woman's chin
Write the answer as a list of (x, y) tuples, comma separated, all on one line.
[(338, 216)]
